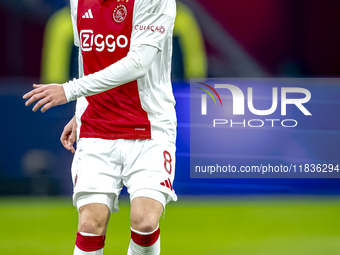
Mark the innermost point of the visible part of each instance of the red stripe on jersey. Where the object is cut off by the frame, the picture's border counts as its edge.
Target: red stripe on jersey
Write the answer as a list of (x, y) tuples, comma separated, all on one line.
[(105, 39), (145, 240)]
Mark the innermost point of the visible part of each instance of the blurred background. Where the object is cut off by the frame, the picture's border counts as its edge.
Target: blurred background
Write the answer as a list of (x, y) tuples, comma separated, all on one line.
[(214, 39)]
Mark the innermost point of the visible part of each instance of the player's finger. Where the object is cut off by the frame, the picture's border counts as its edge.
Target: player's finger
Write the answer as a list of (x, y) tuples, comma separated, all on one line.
[(74, 133), (71, 139), (40, 103), (38, 85), (64, 140), (33, 92), (34, 98), (64, 137), (69, 145), (47, 106), (65, 144)]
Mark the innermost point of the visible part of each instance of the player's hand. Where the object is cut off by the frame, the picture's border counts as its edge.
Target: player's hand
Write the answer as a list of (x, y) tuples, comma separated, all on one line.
[(69, 135), (48, 95)]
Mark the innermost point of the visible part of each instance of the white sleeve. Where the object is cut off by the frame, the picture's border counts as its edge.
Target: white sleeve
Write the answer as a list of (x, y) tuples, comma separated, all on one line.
[(153, 22), (135, 65)]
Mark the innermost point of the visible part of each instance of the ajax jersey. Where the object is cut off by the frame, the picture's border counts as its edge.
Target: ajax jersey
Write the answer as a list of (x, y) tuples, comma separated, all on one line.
[(105, 31)]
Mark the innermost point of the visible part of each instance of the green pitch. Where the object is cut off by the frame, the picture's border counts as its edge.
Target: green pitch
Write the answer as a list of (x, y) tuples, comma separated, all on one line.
[(274, 225)]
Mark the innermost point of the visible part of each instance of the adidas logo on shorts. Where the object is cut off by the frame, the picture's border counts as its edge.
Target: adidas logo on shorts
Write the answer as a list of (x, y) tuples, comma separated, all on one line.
[(167, 183)]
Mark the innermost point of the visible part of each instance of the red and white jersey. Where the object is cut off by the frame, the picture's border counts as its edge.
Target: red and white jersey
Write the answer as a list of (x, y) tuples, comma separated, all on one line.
[(105, 31)]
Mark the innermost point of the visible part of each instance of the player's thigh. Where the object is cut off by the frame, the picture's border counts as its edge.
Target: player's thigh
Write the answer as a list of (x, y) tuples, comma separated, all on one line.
[(151, 167), (145, 214), (93, 218), (96, 173)]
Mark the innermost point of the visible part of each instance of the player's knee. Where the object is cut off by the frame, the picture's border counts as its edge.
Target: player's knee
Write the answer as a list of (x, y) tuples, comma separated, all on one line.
[(145, 214), (92, 225), (144, 223), (145, 227), (93, 219)]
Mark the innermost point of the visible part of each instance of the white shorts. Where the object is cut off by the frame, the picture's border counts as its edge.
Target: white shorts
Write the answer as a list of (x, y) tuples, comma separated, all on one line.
[(101, 167)]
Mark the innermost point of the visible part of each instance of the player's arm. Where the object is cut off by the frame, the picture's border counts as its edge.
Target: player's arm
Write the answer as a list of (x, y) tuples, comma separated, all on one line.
[(132, 67), (135, 65)]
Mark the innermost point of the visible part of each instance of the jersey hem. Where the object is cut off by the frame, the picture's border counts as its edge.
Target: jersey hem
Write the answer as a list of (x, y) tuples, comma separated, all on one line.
[(115, 136)]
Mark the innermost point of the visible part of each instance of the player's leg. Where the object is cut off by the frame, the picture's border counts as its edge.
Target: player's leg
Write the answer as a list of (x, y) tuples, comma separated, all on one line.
[(92, 225), (97, 185), (145, 232), (148, 175)]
